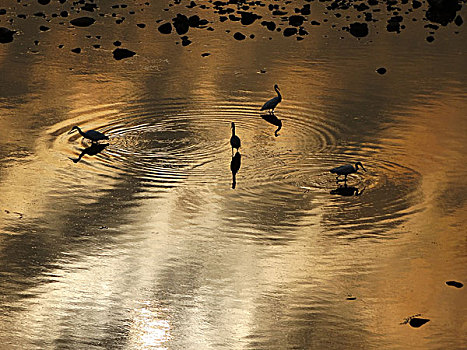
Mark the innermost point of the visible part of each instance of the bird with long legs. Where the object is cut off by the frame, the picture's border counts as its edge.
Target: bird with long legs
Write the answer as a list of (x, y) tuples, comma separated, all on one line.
[(234, 139), (273, 102), (92, 135), (346, 170)]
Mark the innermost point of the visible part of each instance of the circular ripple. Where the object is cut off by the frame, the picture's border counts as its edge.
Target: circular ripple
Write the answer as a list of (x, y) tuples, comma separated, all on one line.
[(165, 142)]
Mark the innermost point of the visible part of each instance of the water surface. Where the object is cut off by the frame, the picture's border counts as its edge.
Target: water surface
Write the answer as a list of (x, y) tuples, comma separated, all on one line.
[(144, 244)]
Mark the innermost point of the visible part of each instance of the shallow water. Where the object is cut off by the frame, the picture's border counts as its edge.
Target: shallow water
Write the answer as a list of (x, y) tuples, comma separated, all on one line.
[(143, 244)]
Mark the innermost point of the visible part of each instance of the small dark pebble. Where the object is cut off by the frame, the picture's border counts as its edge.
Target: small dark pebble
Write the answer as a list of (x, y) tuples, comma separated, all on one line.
[(117, 43), (430, 38), (418, 322), (165, 28), (82, 21), (76, 50), (185, 41), (205, 54), (141, 25), (2, 11), (381, 70), (122, 53), (458, 21), (454, 284), (351, 298), (43, 2), (61, 46), (43, 28), (96, 46), (239, 36)]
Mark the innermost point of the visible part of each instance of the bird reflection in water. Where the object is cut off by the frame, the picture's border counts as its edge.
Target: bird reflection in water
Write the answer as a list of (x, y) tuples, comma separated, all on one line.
[(347, 191), (234, 167), (272, 119), (92, 150)]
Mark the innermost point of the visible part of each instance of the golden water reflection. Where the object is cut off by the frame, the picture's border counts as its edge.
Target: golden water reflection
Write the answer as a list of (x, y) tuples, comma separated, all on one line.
[(146, 244)]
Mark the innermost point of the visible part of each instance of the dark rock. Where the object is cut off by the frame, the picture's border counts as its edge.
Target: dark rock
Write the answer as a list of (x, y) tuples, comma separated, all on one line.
[(430, 38), (358, 30), (117, 43), (82, 21), (205, 54), (454, 284), (181, 24), (185, 41), (416, 4), (290, 31), (2, 11), (43, 28), (89, 7), (296, 20), (61, 46), (96, 46), (234, 18), (239, 36), (64, 13), (381, 70), (458, 21), (248, 18), (6, 35), (270, 25), (194, 21), (76, 50), (43, 2), (442, 11), (393, 26), (165, 28), (418, 322), (120, 54), (315, 23), (141, 25)]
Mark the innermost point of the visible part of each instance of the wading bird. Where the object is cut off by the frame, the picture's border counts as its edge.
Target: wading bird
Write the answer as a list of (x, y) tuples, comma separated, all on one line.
[(92, 135), (234, 140), (273, 102), (346, 170)]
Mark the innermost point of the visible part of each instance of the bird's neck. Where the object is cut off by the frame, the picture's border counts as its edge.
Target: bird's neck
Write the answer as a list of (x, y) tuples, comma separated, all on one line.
[(278, 94), (233, 130), (80, 131)]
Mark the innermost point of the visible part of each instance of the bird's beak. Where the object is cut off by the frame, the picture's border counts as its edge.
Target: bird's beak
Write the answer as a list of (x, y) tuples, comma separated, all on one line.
[(363, 168), (69, 132)]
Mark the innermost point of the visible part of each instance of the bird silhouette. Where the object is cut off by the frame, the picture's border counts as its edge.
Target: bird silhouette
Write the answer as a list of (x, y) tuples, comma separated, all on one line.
[(92, 150), (234, 140), (272, 119), (92, 135), (346, 170), (273, 102), (234, 167)]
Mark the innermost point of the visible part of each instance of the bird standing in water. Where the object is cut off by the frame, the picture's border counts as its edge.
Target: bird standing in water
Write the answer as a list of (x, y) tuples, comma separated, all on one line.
[(273, 102), (92, 135), (346, 170), (234, 140)]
